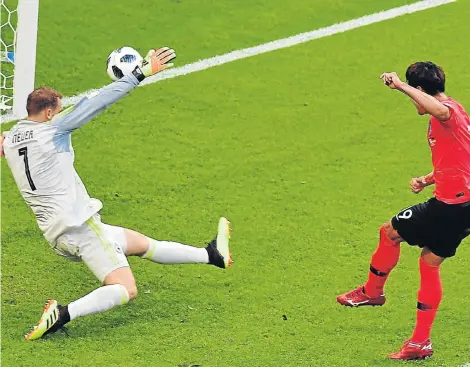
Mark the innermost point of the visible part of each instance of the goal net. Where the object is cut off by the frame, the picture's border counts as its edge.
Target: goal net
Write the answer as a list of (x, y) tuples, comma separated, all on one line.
[(8, 21), (18, 36)]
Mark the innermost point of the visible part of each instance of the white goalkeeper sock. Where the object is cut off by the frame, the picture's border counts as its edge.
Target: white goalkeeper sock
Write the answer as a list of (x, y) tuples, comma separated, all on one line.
[(164, 252), (100, 300)]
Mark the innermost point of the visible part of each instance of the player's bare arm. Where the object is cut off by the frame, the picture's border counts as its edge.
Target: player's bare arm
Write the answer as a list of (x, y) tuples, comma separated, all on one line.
[(417, 184), (432, 106), (429, 178)]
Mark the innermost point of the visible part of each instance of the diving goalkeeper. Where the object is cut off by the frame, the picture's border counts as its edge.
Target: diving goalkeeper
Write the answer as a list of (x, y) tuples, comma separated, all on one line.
[(41, 158)]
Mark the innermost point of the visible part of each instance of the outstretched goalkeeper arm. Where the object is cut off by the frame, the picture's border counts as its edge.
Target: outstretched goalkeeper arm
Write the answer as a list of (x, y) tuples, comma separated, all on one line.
[(76, 116)]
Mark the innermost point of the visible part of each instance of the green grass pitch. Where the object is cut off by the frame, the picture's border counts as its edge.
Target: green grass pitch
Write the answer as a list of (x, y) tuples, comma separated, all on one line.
[(303, 149)]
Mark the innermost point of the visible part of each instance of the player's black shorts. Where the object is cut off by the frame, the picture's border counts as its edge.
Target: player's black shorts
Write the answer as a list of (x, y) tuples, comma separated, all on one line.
[(434, 224)]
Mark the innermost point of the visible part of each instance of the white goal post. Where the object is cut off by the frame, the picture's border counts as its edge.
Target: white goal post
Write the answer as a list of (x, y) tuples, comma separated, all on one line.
[(21, 52)]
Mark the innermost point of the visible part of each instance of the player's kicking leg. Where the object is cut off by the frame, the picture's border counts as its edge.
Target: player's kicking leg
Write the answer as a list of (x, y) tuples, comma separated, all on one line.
[(109, 263), (384, 259), (429, 297), (438, 228)]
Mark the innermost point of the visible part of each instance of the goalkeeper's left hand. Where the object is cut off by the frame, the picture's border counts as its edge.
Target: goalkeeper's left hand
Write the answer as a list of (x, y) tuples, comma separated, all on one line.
[(154, 62)]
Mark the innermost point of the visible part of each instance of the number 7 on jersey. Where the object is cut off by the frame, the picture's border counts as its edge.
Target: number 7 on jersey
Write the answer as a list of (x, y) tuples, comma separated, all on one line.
[(24, 153)]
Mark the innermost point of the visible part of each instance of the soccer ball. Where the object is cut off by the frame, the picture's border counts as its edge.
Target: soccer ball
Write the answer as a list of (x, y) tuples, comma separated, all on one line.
[(122, 62)]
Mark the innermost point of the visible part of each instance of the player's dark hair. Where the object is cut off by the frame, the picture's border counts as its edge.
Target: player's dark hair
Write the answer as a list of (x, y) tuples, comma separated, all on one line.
[(41, 99), (427, 75)]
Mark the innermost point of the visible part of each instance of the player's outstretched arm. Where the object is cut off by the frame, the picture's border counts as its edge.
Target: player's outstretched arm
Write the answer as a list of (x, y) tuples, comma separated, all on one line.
[(75, 116), (434, 107)]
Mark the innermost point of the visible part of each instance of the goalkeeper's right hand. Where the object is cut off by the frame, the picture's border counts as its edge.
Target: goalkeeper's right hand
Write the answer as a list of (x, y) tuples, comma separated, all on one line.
[(154, 62)]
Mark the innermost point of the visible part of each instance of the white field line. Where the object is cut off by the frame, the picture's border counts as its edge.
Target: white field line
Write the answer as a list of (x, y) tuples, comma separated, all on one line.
[(274, 45)]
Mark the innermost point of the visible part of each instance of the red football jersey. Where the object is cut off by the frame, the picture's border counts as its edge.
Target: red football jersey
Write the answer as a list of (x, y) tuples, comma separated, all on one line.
[(450, 148)]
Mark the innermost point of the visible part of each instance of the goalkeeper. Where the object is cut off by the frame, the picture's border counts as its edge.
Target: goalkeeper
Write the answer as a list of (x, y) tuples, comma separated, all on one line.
[(40, 155)]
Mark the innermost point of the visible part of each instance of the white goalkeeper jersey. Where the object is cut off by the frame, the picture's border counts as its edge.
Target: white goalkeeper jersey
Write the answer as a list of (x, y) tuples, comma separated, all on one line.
[(41, 158)]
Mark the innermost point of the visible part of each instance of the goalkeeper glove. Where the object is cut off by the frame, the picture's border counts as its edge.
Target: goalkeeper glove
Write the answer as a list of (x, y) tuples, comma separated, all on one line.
[(154, 62)]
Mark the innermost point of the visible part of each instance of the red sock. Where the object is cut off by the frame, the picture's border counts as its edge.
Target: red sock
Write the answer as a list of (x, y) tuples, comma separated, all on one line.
[(429, 297), (383, 261)]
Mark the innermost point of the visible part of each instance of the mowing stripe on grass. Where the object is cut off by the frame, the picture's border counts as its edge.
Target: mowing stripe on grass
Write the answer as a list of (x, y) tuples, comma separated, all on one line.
[(274, 45)]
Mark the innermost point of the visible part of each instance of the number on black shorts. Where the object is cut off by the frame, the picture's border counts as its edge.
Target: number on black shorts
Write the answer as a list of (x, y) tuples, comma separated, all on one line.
[(406, 214), (24, 153)]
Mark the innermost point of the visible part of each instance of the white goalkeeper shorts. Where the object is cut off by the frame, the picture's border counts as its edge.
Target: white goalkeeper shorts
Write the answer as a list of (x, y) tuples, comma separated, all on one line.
[(100, 246)]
